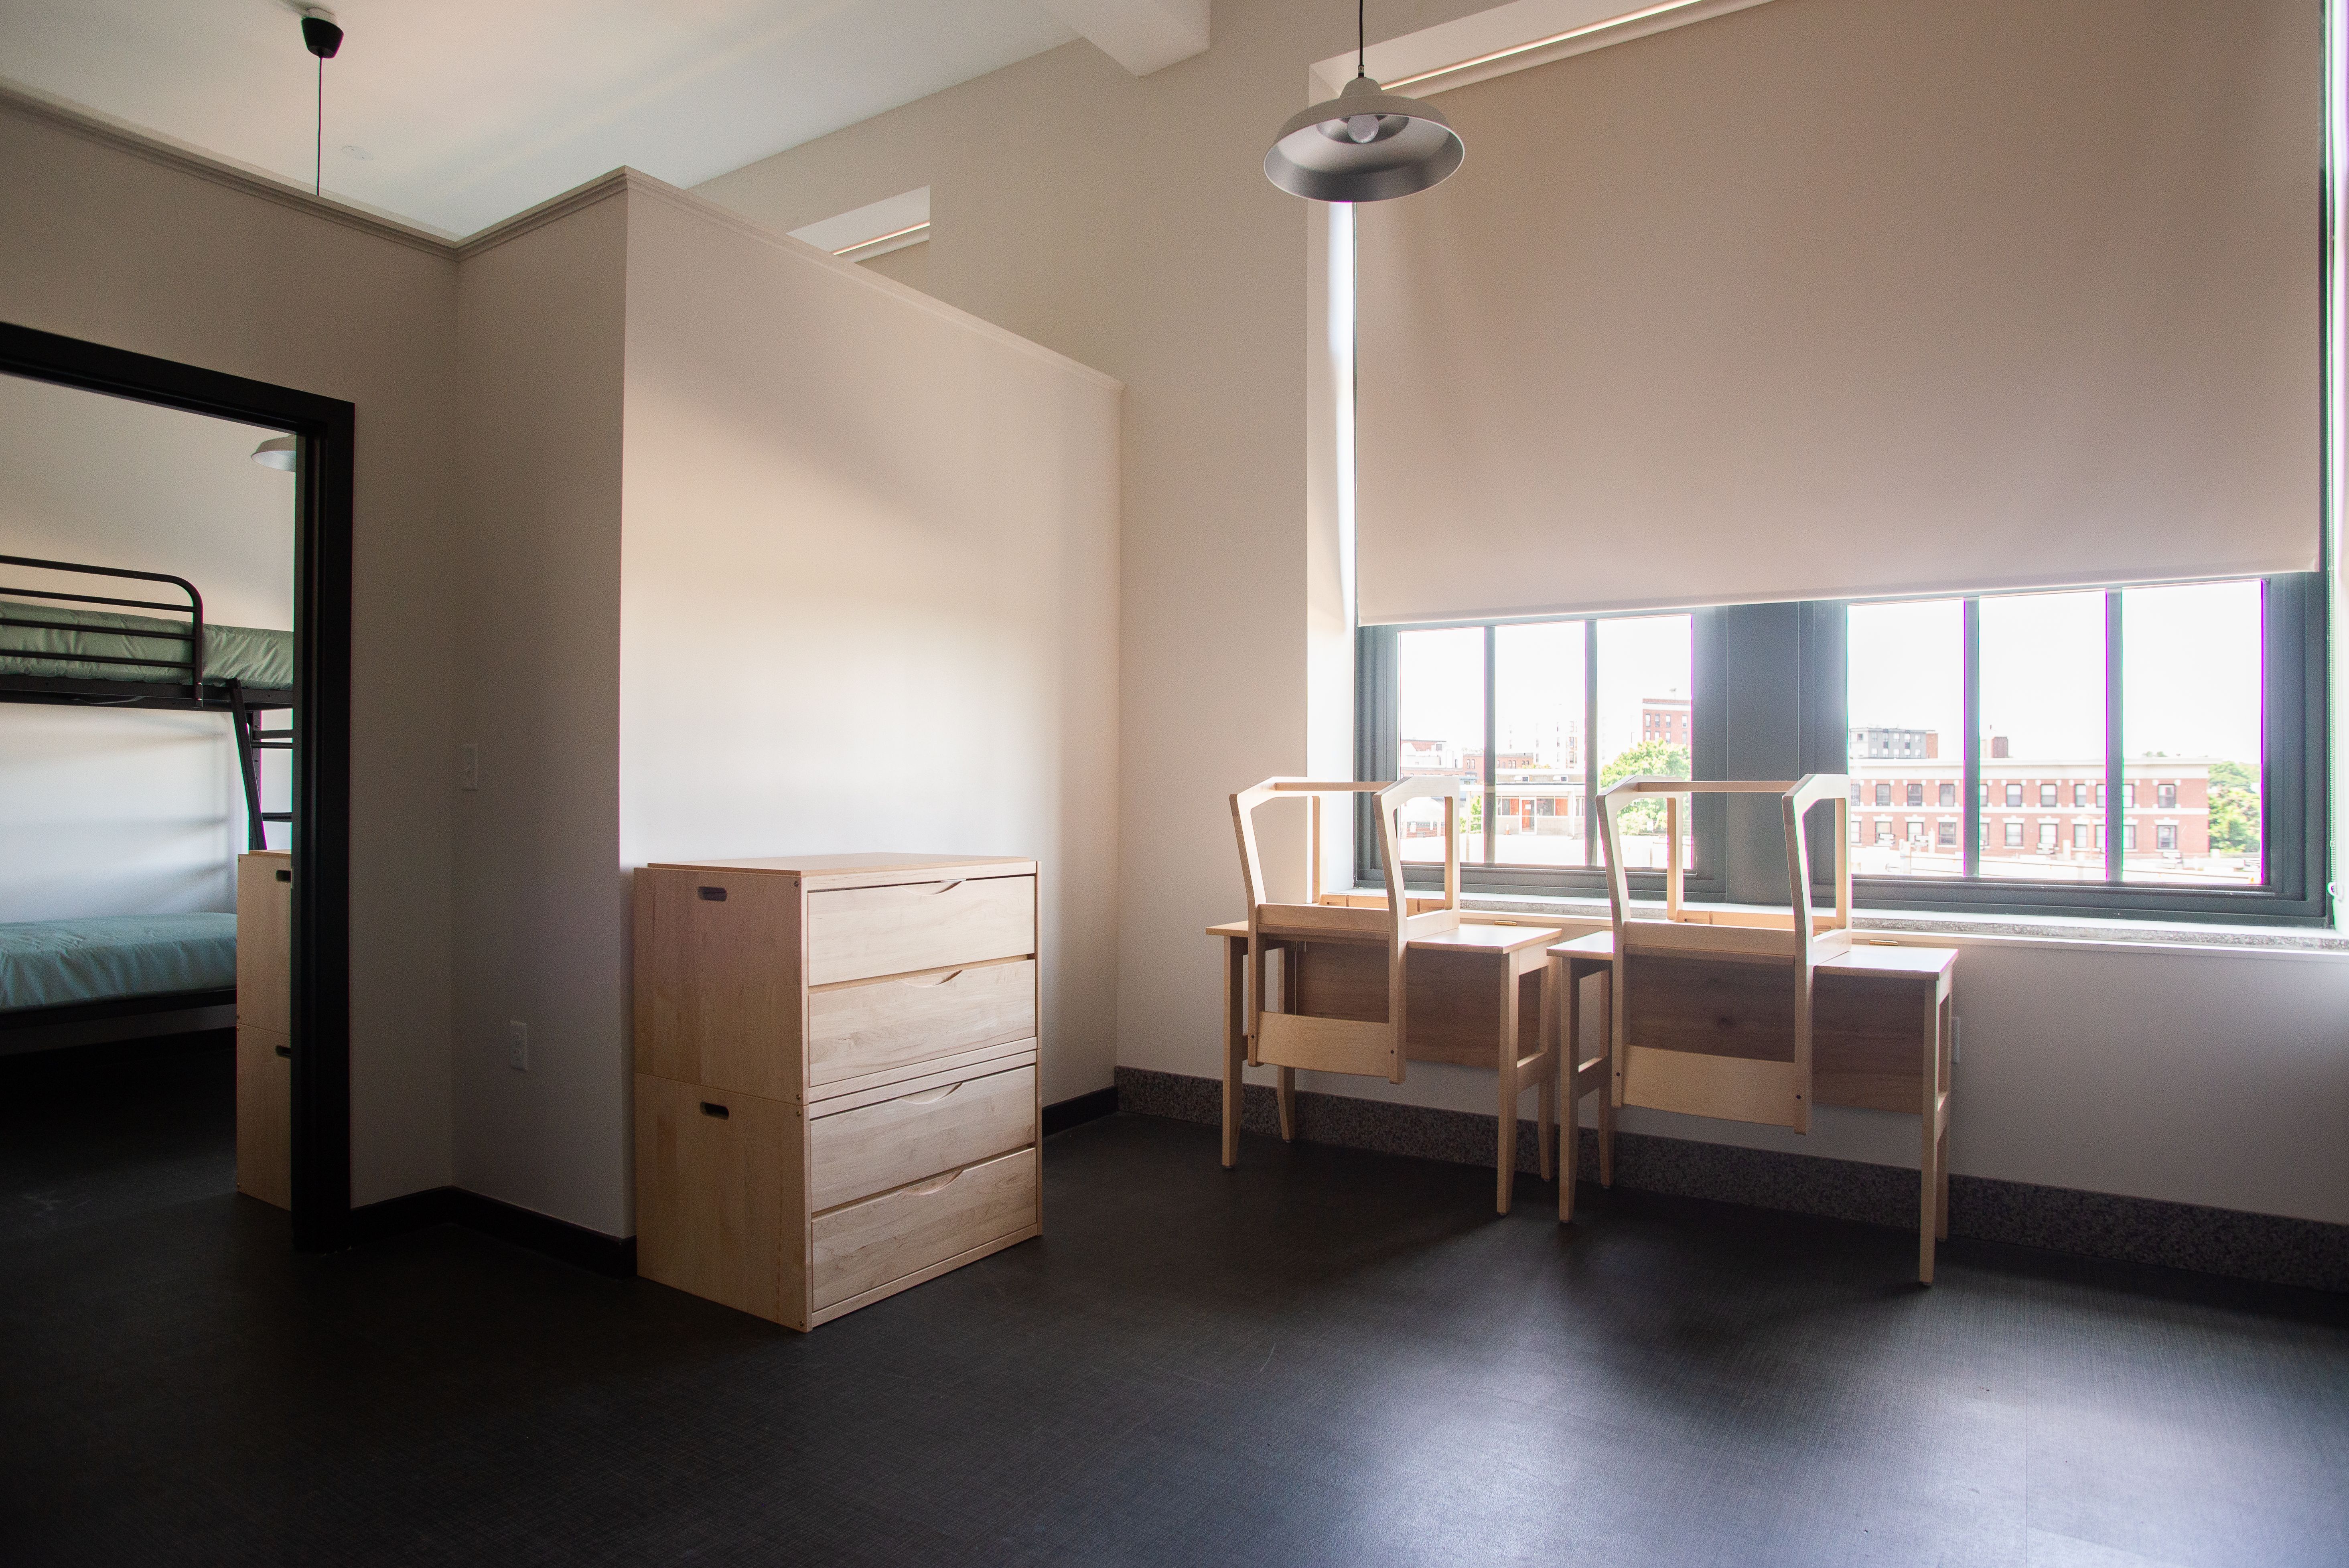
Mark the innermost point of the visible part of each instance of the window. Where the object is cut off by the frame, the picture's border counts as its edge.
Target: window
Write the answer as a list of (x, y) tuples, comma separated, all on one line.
[(1946, 834), (2012, 713), (2164, 699), (1915, 831), (1531, 715)]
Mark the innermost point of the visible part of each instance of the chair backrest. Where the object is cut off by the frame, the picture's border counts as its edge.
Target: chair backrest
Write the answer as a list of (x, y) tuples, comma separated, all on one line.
[(1728, 1081), (1396, 923)]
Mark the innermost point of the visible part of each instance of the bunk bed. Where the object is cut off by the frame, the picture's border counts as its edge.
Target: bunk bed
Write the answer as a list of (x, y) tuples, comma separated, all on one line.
[(74, 982)]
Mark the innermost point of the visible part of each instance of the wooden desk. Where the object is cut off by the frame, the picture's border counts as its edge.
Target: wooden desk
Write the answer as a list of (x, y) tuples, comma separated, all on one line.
[(1475, 996), (1880, 1040)]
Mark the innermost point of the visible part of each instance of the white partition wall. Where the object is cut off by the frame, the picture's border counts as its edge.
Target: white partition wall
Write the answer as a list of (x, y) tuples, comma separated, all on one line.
[(769, 555)]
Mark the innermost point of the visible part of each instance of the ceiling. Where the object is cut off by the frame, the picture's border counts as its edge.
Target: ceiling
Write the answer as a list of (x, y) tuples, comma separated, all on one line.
[(453, 114)]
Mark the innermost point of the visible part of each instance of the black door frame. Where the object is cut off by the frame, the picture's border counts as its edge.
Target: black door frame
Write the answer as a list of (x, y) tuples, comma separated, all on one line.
[(321, 734)]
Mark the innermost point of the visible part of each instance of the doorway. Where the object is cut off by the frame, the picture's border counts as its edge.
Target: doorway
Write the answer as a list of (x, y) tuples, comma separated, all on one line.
[(315, 834)]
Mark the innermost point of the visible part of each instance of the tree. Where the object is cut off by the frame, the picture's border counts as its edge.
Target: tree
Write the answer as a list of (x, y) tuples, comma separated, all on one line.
[(2234, 809), (1649, 759)]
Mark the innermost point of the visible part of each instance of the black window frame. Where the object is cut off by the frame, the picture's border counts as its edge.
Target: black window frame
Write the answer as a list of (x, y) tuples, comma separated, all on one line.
[(1808, 695)]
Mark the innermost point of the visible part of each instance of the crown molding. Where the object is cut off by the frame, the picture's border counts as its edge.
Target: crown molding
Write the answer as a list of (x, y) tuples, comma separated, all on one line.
[(1511, 37), (38, 108)]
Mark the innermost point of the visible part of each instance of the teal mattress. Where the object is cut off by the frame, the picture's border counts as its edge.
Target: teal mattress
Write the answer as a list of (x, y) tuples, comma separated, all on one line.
[(247, 653), (101, 958)]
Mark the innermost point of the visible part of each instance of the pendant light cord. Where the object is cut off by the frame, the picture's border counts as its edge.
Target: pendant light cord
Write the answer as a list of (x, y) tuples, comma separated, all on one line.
[(321, 175), (1362, 41)]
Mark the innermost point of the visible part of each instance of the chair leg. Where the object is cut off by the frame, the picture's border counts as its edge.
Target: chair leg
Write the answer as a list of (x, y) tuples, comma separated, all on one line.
[(1506, 1063), (1606, 1092), (1565, 1041), (1545, 1102), (1288, 1092), (1930, 1144), (1235, 1044)]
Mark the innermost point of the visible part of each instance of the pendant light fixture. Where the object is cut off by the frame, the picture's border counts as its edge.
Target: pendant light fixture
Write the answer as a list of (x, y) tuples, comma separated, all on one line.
[(322, 39), (279, 452), (1365, 144)]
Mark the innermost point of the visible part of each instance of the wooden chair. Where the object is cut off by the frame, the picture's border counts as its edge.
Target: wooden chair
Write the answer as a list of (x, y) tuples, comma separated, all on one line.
[(1332, 1016), (1293, 1040), (1676, 978)]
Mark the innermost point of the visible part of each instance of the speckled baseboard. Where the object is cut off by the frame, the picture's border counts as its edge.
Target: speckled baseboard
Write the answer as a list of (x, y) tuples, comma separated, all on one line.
[(2266, 1247)]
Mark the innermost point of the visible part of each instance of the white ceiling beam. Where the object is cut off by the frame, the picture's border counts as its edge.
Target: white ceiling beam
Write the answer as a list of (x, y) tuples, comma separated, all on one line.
[(1143, 35)]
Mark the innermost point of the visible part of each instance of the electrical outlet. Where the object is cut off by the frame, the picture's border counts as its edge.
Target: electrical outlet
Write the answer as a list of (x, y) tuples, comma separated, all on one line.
[(469, 766), (518, 1046)]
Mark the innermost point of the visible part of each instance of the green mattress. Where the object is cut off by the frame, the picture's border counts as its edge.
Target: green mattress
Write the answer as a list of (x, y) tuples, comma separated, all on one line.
[(52, 962), (247, 653)]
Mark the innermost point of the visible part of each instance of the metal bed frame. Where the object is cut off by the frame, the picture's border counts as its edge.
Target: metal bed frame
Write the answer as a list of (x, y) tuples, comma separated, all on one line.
[(243, 705)]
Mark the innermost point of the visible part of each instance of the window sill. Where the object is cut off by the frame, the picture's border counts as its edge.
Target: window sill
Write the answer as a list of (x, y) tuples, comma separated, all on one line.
[(2015, 930)]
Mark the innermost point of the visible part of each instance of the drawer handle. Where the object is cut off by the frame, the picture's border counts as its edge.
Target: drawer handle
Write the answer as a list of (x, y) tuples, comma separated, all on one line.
[(949, 887), (932, 1099), (713, 894), (285, 876), (934, 1184), (930, 984), (710, 1108), (287, 1052)]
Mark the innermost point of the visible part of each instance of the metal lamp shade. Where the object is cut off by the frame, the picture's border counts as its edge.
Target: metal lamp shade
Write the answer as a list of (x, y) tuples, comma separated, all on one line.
[(1364, 145)]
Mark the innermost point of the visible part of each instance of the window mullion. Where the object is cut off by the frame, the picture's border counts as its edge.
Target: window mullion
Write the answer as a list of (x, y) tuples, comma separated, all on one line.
[(1492, 742), (1590, 739), (2116, 803), (1972, 860)]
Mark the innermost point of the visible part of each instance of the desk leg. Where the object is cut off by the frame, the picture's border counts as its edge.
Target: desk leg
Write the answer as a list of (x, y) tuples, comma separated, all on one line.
[(1287, 1092), (1930, 1144), (1234, 1043), (1941, 1150), (1505, 1179), (1565, 1032), (1607, 1090)]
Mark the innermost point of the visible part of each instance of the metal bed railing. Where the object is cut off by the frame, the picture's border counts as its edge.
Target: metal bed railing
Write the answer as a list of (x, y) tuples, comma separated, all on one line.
[(191, 660)]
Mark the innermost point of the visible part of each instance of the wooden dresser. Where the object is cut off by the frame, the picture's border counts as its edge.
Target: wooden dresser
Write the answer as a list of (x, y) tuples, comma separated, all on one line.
[(836, 1076), (265, 1025)]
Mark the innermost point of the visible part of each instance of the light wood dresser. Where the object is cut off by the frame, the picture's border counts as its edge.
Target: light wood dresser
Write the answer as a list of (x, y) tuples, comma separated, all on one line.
[(836, 1076), (265, 1025)]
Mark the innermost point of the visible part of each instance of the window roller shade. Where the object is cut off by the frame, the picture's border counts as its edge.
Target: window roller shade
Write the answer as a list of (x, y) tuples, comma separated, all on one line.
[(1838, 298)]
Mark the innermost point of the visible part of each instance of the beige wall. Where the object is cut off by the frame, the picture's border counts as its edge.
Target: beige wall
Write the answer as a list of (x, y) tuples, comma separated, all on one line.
[(106, 245), (541, 914), (1125, 222)]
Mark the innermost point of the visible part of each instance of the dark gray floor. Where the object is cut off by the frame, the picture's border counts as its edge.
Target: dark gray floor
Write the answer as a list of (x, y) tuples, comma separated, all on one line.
[(1325, 1357)]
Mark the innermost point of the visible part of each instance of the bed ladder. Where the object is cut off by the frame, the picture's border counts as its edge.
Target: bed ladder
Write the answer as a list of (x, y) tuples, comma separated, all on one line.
[(251, 741)]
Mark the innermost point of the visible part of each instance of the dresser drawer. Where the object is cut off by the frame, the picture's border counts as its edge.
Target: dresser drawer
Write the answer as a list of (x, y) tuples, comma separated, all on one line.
[(884, 1024), (855, 934), (717, 1211), (855, 1153), (866, 1246)]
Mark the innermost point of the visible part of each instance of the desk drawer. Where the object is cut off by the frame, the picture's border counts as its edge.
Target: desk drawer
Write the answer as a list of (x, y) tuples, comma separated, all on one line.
[(855, 934), (855, 1153), (884, 1024), (866, 1245)]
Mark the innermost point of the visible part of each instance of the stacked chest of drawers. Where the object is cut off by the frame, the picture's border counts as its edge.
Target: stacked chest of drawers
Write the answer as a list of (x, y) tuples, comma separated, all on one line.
[(836, 1076)]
